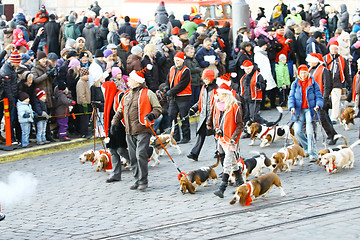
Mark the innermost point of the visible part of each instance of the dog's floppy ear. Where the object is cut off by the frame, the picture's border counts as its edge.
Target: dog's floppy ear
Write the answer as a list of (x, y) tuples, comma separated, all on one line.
[(243, 193)]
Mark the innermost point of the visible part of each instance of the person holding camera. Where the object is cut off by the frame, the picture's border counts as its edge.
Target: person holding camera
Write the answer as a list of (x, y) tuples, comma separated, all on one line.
[(136, 118)]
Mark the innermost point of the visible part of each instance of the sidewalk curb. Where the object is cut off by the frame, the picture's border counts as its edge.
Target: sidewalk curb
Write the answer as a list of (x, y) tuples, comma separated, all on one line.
[(45, 150)]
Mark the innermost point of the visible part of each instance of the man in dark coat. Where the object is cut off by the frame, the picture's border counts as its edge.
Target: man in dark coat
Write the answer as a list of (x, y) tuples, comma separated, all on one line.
[(52, 31), (95, 8), (301, 42), (127, 28), (174, 22), (89, 33)]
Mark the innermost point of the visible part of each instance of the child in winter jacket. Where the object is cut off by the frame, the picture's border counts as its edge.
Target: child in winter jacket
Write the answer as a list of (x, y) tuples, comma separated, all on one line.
[(25, 117), (42, 116), (83, 99), (18, 36), (283, 79), (62, 103), (119, 79)]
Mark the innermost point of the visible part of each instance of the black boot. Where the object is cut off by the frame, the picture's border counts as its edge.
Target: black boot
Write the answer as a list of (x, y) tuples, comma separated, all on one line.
[(223, 185), (238, 178), (2, 216)]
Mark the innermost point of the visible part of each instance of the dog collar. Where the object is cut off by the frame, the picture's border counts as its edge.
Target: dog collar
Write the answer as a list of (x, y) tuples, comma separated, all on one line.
[(248, 199), (242, 163)]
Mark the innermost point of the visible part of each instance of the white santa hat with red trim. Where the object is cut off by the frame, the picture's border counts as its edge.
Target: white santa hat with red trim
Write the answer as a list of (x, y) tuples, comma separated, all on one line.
[(225, 78), (224, 88), (138, 76)]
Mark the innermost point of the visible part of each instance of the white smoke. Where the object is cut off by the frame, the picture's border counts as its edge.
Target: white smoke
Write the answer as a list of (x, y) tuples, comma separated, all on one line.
[(19, 188)]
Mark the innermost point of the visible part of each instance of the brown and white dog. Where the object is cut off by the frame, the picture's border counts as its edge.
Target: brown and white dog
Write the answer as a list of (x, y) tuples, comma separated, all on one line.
[(247, 192), (288, 156), (344, 158), (322, 152), (100, 158), (347, 117), (166, 140), (198, 177)]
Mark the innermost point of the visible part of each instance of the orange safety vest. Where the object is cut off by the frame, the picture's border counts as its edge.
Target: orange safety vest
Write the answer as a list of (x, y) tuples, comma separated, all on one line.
[(318, 76), (109, 167), (144, 106), (229, 125), (176, 79), (117, 100), (328, 59), (212, 97), (255, 93), (354, 86)]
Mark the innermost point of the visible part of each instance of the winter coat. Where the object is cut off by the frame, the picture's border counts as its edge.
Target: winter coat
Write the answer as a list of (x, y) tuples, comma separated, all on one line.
[(89, 33), (113, 37), (133, 62), (71, 82), (71, 31), (174, 22), (344, 47), (8, 84), (130, 113), (97, 96), (243, 55), (204, 52), (343, 18), (282, 74), (290, 34), (190, 27), (30, 90), (164, 64), (151, 76), (62, 103), (8, 36), (83, 93), (22, 68), (195, 70), (313, 96), (96, 72), (123, 55), (262, 60), (101, 36), (301, 46), (312, 46), (39, 107), (43, 81), (127, 28), (52, 31), (332, 23), (23, 108)]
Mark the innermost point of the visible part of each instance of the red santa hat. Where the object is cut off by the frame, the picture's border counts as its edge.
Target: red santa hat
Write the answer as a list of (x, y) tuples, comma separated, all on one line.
[(334, 44), (302, 68), (180, 56), (225, 78), (224, 88), (138, 76), (208, 74), (312, 58), (247, 64)]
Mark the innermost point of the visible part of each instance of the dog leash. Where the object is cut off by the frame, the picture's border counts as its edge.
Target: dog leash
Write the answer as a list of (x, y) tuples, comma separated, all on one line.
[(148, 124), (322, 130), (187, 116)]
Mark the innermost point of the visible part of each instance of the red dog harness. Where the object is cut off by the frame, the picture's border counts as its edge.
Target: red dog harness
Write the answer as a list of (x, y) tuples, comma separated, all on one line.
[(267, 130)]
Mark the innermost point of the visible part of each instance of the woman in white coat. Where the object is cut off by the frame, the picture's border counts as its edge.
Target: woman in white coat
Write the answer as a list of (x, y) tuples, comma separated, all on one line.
[(263, 63)]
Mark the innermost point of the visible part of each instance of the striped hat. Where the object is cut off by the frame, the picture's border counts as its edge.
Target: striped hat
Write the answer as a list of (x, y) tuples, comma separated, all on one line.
[(40, 93), (15, 57)]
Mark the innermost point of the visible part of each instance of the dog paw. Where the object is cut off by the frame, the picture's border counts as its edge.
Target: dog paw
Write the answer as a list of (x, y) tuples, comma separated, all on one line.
[(251, 144)]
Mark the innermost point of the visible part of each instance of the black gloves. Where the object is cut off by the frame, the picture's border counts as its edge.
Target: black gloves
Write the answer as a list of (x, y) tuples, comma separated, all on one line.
[(114, 129), (150, 116)]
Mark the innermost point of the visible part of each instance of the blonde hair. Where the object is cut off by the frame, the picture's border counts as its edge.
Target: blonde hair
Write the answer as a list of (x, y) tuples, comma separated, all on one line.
[(229, 101), (112, 26), (149, 50)]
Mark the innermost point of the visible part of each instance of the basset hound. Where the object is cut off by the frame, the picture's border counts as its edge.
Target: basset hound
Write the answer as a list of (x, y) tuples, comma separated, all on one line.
[(191, 181), (247, 192), (347, 117), (322, 152), (288, 156)]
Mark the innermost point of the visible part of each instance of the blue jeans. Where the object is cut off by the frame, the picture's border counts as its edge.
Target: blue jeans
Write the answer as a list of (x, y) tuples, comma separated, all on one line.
[(25, 132), (41, 131), (308, 141)]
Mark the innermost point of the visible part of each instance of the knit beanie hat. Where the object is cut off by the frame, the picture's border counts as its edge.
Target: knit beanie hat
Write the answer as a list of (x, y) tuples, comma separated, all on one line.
[(73, 63), (40, 55), (23, 96), (99, 53), (84, 71), (52, 56), (138, 76), (282, 57), (40, 93), (24, 58), (115, 71), (71, 53), (15, 57), (261, 42), (136, 50), (107, 53), (208, 74)]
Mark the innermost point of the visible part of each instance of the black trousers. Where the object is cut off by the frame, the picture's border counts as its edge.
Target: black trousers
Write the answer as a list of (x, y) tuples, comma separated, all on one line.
[(176, 107), (200, 140), (251, 112)]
